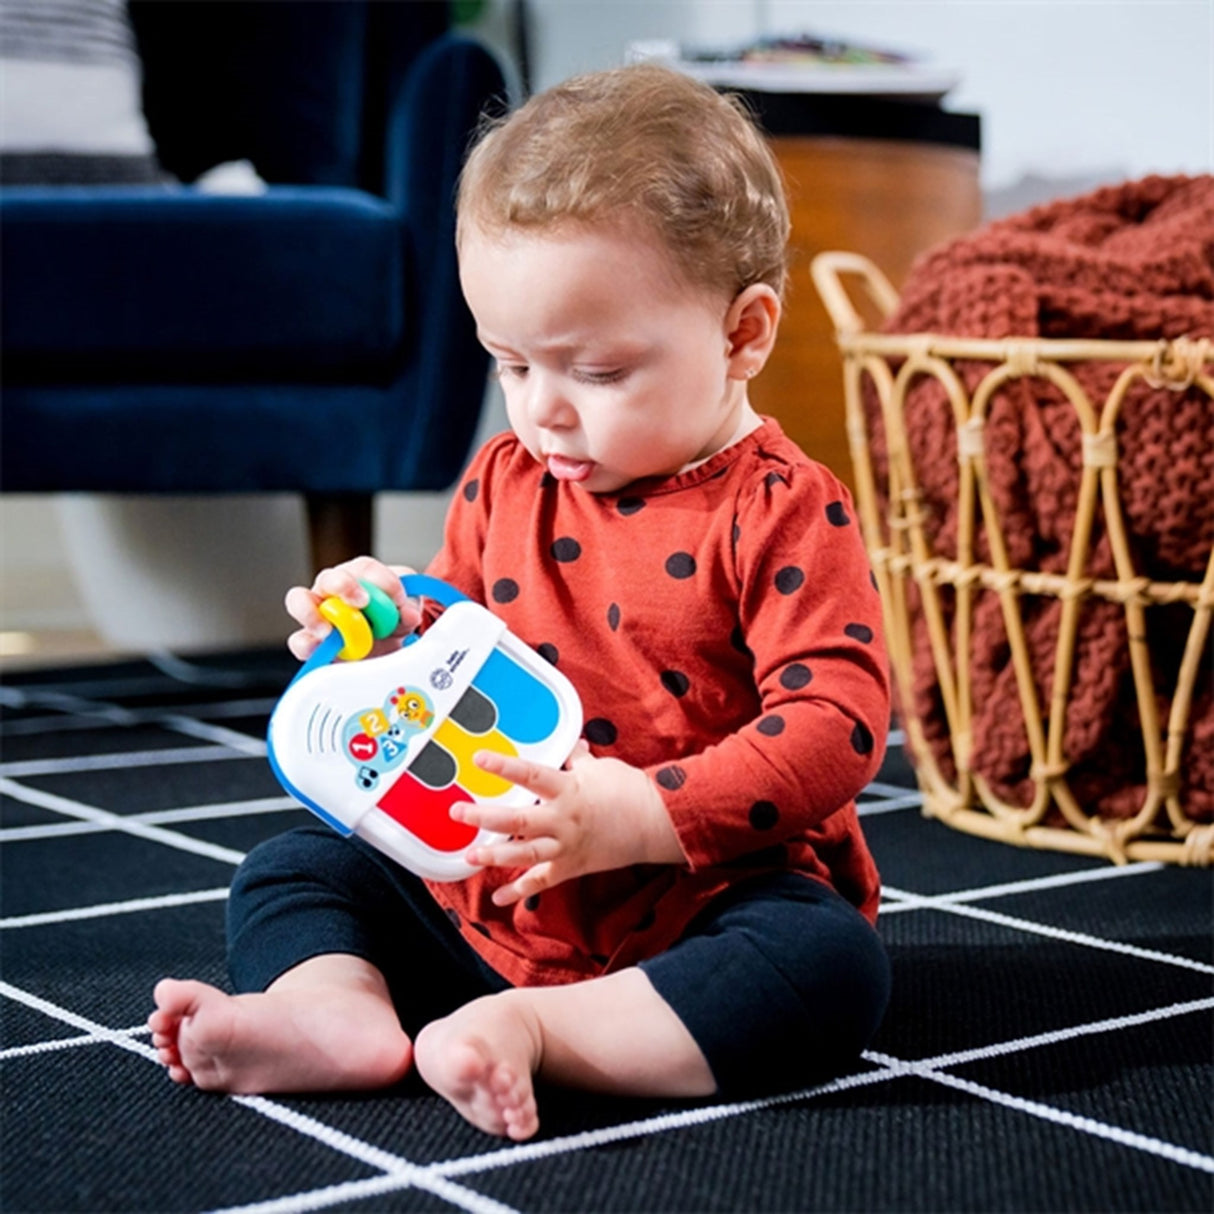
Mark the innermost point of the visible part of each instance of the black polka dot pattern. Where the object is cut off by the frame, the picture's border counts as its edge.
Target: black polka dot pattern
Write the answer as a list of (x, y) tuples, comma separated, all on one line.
[(505, 590), (601, 732), (549, 653), (795, 675), (836, 514), (771, 726), (566, 549), (790, 579), (471, 489), (859, 632), (681, 565), (630, 505), (862, 739), (763, 815), (480, 927), (676, 682), (671, 778), (532, 903), (613, 617)]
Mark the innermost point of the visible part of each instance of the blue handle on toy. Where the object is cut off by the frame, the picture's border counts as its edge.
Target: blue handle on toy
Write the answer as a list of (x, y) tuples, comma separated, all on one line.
[(417, 585)]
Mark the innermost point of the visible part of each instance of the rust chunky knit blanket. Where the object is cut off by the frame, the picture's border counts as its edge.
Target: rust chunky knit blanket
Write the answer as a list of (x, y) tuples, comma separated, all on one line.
[(1131, 262)]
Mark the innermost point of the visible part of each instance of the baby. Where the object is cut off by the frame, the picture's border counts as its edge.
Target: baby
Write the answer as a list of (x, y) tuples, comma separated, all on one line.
[(688, 906)]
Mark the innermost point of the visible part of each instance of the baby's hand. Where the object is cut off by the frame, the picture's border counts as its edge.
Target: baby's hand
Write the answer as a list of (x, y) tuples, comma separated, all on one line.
[(342, 582), (594, 815)]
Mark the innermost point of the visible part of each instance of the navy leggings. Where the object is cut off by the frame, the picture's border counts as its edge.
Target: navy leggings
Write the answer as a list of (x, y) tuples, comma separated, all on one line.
[(780, 981)]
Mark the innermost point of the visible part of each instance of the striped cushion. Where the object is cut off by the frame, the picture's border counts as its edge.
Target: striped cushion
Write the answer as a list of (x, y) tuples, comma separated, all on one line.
[(70, 77)]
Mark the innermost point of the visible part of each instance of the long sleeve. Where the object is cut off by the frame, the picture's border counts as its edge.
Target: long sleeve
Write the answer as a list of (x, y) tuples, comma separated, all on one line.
[(810, 615)]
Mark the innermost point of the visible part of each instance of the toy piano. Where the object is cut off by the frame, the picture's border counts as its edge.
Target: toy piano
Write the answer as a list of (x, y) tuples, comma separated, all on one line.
[(383, 748)]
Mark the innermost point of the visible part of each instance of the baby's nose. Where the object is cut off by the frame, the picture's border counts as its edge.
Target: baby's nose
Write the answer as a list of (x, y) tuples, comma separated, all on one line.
[(548, 404)]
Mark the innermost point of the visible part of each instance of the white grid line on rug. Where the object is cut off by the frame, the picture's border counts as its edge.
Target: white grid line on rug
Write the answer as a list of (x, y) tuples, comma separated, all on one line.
[(408, 1174), (907, 901), (1048, 1112), (888, 1069), (104, 910), (1067, 935), (879, 788), (25, 769), (888, 805), (55, 1044), (114, 686), (529, 1152), (117, 822), (192, 674), (174, 720), (218, 811), (411, 1174), (1017, 1045), (92, 717)]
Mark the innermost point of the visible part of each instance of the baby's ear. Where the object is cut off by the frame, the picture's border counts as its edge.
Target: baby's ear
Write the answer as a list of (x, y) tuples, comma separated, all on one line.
[(750, 326)]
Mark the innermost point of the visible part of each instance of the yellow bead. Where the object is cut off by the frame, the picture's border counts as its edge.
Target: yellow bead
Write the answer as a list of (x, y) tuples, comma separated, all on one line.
[(352, 625)]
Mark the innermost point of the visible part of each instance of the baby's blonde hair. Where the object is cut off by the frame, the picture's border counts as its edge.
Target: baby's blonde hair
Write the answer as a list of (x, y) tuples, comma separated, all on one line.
[(641, 144)]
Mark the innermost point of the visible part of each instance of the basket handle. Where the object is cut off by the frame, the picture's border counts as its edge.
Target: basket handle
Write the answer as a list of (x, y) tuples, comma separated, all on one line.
[(828, 270)]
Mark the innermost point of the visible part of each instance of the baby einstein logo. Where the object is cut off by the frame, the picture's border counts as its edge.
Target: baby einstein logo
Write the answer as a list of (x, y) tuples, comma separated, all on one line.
[(441, 677)]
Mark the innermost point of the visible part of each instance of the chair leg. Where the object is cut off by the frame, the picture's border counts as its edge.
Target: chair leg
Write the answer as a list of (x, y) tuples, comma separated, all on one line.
[(339, 527)]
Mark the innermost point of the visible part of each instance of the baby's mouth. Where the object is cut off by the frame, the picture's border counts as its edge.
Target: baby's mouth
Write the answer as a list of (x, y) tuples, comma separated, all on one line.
[(566, 469)]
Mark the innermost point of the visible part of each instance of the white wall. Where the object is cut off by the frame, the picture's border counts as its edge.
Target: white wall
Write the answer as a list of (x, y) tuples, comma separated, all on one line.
[(1067, 89)]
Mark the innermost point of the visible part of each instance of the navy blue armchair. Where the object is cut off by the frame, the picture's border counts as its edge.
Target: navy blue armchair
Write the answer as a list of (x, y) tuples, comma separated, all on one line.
[(311, 338)]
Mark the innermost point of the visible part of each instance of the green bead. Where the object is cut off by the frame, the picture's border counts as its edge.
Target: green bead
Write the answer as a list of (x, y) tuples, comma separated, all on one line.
[(381, 611)]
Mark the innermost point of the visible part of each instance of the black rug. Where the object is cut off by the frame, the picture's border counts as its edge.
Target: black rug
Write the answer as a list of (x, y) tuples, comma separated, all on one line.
[(1048, 1046)]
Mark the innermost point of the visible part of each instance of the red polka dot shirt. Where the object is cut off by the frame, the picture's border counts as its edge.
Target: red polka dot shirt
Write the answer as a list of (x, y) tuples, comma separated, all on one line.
[(724, 632)]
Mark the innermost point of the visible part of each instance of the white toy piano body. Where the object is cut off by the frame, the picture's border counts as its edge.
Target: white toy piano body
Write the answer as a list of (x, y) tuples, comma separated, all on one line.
[(383, 748)]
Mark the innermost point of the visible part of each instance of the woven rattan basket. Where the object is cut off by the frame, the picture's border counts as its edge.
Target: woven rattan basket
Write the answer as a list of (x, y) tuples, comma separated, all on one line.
[(941, 589)]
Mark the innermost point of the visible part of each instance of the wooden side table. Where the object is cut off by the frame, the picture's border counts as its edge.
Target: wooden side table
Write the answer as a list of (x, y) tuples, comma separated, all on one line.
[(868, 175)]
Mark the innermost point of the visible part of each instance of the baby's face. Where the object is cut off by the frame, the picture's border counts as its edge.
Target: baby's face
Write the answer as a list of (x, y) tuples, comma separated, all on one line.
[(613, 367)]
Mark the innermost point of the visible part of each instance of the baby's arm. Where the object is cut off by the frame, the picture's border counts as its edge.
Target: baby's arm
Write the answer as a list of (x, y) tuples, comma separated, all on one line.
[(342, 582), (810, 617), (595, 814)]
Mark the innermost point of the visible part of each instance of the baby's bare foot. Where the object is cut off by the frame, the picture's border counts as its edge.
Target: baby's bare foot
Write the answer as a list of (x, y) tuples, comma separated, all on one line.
[(481, 1060), (289, 1039)]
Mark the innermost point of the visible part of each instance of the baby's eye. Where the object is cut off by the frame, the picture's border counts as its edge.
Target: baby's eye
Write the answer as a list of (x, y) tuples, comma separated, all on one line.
[(596, 376), (510, 370)]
